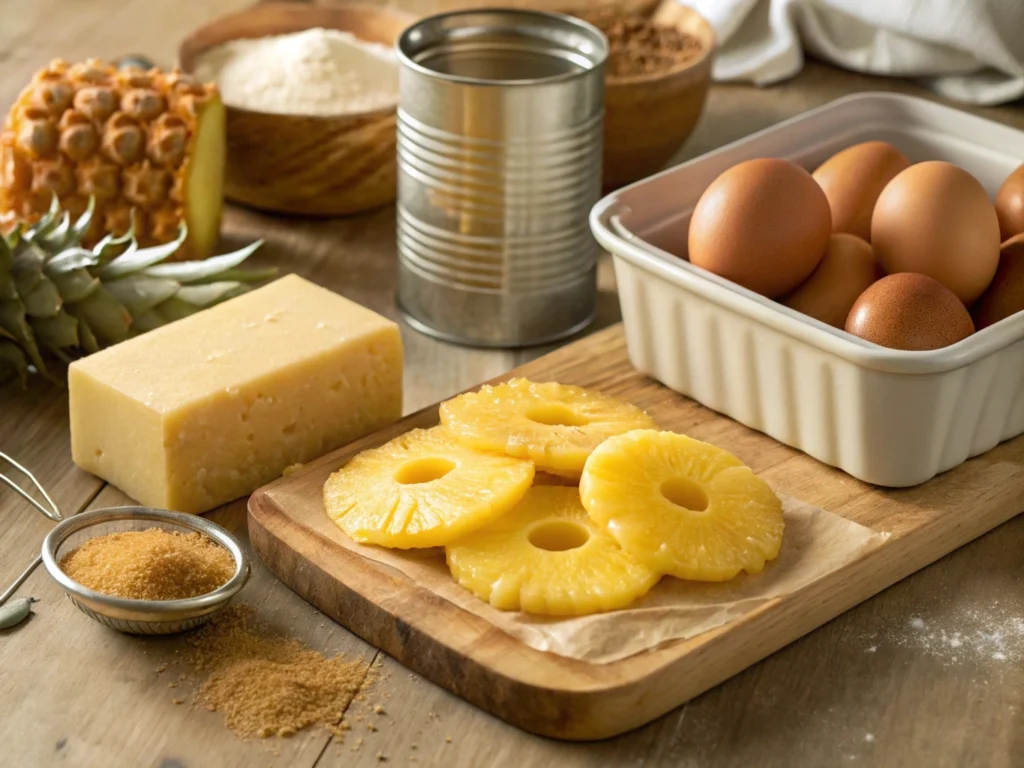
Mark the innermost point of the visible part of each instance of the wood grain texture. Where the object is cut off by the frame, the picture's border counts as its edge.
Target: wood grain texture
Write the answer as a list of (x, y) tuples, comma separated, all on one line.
[(814, 703), (555, 696), (314, 166)]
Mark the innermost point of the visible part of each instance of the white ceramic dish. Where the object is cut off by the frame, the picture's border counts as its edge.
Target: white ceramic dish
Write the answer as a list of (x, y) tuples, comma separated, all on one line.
[(887, 417)]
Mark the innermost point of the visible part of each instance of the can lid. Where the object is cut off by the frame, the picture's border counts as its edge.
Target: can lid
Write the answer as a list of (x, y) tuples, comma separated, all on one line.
[(502, 47)]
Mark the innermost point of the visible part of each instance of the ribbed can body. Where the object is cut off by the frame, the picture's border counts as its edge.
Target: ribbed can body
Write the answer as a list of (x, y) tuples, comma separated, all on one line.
[(499, 164)]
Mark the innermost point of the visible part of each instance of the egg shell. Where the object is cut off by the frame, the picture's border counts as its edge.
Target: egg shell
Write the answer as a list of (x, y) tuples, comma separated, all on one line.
[(763, 224), (852, 181), (936, 219), (1005, 296), (909, 312), (846, 271), (1010, 205)]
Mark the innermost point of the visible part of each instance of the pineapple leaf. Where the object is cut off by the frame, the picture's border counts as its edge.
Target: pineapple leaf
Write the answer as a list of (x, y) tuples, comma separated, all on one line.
[(140, 293), (76, 285), (84, 221), (13, 320), (147, 321), (46, 222), (175, 309), (43, 300), (27, 269), (106, 316), (12, 363), (197, 271), (54, 239), (8, 290), (57, 332), (89, 342), (201, 296), (110, 247), (241, 275), (133, 260), (70, 259)]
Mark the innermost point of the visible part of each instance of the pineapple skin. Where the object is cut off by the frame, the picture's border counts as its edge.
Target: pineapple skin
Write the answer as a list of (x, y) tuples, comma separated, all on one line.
[(498, 419), (134, 140), (367, 501), (500, 566), (740, 529)]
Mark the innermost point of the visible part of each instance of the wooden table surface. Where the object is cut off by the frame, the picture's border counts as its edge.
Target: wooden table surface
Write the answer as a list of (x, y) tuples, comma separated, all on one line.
[(881, 685)]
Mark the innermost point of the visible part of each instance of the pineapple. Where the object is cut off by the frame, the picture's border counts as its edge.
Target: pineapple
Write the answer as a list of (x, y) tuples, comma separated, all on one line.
[(682, 507), (422, 490), (59, 298), (554, 425), (147, 142), (546, 478), (546, 556)]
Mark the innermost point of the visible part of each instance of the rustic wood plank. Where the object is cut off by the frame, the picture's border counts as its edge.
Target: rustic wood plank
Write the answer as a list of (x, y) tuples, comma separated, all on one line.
[(916, 700)]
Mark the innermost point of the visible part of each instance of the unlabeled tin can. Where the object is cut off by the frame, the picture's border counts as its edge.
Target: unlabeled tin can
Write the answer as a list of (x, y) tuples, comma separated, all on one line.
[(499, 164)]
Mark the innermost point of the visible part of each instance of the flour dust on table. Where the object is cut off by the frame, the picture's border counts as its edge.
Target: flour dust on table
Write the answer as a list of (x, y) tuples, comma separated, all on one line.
[(968, 634)]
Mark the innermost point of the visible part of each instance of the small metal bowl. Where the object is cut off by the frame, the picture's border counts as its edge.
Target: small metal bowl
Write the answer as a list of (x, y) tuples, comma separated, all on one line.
[(142, 617)]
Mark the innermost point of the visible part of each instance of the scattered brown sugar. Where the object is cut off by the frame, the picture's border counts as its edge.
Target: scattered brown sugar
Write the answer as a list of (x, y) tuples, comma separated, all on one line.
[(638, 46), (155, 564), (266, 685)]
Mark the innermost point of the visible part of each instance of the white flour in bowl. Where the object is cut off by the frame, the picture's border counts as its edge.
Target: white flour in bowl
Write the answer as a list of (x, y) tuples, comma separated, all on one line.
[(316, 72)]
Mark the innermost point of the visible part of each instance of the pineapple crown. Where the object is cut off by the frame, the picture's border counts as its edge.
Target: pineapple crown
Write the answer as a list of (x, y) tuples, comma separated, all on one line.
[(60, 300)]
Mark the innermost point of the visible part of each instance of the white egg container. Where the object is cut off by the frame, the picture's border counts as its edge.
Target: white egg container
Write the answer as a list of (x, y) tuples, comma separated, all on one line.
[(888, 417)]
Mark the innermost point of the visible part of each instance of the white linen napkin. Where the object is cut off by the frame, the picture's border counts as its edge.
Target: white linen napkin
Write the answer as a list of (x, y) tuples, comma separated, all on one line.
[(967, 50)]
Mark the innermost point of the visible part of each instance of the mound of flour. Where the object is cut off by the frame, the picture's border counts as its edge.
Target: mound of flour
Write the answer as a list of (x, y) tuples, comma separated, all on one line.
[(315, 72)]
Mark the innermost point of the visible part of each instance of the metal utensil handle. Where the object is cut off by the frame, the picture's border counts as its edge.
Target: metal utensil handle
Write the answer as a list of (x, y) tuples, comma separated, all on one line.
[(9, 592), (53, 512)]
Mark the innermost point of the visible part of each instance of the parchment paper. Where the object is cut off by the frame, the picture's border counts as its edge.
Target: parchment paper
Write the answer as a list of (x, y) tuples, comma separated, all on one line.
[(815, 544)]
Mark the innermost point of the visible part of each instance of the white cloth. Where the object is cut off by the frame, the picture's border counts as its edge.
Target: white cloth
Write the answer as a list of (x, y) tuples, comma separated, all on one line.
[(968, 50)]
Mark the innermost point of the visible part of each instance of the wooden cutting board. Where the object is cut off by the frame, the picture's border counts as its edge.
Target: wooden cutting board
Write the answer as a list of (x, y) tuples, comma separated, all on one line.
[(556, 696)]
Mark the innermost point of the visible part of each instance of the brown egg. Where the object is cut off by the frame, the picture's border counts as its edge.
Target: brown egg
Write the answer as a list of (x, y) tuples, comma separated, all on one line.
[(847, 270), (909, 311), (1010, 204), (936, 219), (1005, 296), (854, 178), (763, 224)]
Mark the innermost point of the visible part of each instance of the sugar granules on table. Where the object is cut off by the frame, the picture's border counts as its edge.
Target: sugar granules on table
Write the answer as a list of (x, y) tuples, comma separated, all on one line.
[(268, 685)]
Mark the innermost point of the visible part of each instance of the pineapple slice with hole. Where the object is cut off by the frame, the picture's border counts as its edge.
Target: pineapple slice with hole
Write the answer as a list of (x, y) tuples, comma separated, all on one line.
[(556, 426), (422, 489), (682, 507), (546, 556)]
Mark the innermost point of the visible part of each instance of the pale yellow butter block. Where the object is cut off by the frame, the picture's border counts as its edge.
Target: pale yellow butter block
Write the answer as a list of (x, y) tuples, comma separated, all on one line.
[(209, 408)]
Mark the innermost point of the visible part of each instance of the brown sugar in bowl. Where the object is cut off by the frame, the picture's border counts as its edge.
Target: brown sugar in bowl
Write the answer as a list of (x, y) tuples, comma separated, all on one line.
[(648, 117), (303, 164)]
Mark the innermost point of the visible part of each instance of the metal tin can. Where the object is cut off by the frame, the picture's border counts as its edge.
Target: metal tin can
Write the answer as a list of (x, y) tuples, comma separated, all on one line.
[(499, 163)]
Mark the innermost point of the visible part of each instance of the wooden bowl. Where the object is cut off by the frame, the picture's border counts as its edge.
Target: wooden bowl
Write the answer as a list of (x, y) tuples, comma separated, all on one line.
[(649, 117), (310, 165)]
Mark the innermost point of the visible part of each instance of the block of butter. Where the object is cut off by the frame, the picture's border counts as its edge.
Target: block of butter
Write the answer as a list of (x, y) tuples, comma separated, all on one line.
[(209, 408)]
